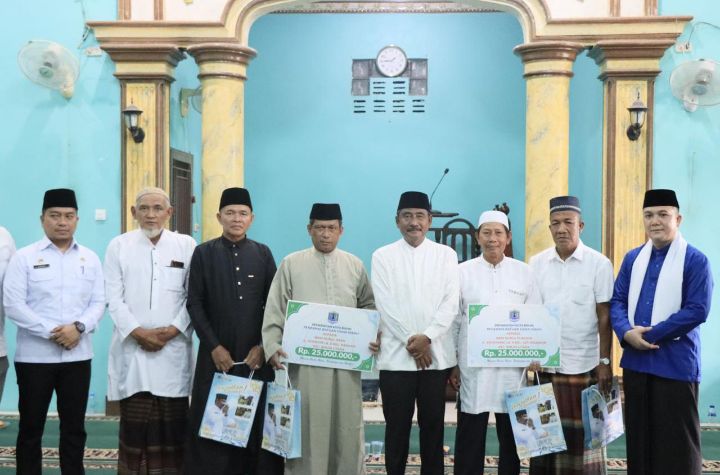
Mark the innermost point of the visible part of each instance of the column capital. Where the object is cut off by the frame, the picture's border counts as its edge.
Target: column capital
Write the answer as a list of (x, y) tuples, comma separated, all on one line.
[(144, 61), (548, 58), (629, 59), (228, 60)]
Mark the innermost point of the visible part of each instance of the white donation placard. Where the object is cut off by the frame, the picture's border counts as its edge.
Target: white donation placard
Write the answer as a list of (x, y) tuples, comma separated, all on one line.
[(330, 335), (513, 335)]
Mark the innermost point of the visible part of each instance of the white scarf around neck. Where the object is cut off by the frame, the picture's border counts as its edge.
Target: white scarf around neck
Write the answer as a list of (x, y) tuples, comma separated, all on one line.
[(668, 294)]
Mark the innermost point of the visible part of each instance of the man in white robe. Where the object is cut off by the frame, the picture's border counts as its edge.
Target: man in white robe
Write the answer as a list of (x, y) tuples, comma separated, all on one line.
[(490, 279), (415, 282), (333, 438), (150, 363)]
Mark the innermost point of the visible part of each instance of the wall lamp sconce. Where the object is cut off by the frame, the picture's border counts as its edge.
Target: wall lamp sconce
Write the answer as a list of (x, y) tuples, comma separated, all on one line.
[(637, 118), (132, 117)]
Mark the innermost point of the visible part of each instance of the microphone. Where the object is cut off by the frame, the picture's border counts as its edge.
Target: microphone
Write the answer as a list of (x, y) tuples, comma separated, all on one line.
[(447, 170)]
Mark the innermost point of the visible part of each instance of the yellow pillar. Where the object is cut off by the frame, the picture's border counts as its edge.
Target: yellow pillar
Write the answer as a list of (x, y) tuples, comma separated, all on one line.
[(145, 72), (223, 69), (626, 69), (548, 69)]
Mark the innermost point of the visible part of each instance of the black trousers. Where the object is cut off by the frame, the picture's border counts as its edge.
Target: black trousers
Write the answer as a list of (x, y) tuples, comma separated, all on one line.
[(400, 391), (470, 444), (662, 426), (36, 383)]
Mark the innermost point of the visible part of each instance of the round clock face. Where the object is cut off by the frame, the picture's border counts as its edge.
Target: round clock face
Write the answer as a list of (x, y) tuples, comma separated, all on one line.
[(391, 61)]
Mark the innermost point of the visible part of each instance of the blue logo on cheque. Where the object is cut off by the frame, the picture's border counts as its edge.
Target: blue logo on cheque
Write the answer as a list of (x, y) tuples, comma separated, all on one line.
[(333, 317), (514, 315)]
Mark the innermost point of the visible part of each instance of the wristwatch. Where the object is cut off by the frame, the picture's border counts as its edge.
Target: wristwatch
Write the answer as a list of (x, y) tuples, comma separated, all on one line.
[(605, 361), (79, 326)]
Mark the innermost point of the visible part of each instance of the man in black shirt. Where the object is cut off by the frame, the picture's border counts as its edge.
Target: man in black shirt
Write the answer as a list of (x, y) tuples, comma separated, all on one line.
[(229, 281)]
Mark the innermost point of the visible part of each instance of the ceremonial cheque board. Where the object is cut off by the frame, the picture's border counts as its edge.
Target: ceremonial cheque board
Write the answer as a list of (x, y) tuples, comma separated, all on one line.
[(513, 335), (330, 335)]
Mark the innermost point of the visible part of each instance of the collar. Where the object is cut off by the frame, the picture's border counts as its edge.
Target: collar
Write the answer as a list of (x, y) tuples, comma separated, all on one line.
[(45, 243), (405, 245), (144, 240), (230, 244), (577, 253), (489, 265), (324, 255), (660, 252)]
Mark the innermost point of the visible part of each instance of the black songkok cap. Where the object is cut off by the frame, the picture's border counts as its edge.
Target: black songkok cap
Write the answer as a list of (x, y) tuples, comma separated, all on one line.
[(325, 211), (414, 199), (235, 196), (660, 198), (59, 198), (564, 203)]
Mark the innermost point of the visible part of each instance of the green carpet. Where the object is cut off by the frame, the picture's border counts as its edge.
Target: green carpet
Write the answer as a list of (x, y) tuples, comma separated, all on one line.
[(102, 444)]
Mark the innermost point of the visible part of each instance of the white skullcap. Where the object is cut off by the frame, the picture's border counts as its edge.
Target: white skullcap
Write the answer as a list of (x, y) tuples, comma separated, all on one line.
[(151, 190), (493, 217)]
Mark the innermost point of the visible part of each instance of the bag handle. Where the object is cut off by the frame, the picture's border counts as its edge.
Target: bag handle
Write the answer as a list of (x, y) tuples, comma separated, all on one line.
[(252, 371), (524, 375), (287, 377)]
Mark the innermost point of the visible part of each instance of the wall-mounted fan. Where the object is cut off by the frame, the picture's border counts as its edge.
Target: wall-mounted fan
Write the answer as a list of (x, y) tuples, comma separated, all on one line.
[(50, 64), (696, 83)]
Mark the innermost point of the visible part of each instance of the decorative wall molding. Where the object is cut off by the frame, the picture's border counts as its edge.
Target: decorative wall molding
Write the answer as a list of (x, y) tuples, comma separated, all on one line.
[(385, 7)]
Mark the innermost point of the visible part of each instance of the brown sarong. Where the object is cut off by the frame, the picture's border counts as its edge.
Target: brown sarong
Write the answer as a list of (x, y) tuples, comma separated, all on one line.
[(576, 460), (152, 434)]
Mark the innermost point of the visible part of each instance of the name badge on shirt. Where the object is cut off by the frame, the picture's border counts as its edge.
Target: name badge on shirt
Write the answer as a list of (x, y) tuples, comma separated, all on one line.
[(41, 266), (177, 264)]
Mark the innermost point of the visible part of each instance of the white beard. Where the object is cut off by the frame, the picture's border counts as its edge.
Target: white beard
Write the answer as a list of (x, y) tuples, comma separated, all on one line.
[(152, 233)]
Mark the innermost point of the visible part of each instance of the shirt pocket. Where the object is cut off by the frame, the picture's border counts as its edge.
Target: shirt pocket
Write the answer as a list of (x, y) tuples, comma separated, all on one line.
[(173, 278), (582, 295), (516, 295), (42, 282), (42, 274), (86, 279)]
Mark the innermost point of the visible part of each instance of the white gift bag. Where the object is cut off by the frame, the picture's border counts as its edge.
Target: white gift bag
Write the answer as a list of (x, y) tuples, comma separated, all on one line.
[(230, 409)]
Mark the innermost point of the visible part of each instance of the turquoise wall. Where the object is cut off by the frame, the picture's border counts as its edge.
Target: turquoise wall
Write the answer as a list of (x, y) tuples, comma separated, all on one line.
[(51, 142), (185, 132), (304, 144), (586, 119), (687, 158)]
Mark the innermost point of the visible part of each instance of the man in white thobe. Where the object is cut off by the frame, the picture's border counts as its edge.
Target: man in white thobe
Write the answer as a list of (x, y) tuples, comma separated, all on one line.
[(415, 282), (332, 425), (490, 279), (151, 359)]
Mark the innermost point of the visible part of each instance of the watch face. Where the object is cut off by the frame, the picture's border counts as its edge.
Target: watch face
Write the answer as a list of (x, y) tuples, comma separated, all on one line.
[(80, 327), (391, 61)]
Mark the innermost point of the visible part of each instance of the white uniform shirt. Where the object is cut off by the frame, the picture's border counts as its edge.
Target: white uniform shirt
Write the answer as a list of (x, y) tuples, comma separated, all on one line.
[(146, 286), (7, 249), (416, 291), (575, 285), (45, 288), (509, 282)]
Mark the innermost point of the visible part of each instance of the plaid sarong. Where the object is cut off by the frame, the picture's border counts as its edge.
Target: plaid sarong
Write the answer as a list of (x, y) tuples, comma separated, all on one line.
[(152, 434), (576, 460)]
